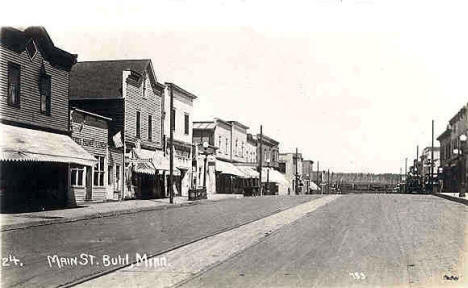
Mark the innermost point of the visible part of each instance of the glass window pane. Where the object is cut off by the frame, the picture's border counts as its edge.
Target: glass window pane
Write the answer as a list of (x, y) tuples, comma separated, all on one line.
[(80, 177), (73, 177)]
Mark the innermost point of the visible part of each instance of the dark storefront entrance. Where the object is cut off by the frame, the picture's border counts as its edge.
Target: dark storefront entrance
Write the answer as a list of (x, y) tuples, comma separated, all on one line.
[(33, 186)]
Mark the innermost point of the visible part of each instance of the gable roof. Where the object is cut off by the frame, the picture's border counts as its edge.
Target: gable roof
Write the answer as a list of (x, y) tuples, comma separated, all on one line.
[(103, 79), (17, 40)]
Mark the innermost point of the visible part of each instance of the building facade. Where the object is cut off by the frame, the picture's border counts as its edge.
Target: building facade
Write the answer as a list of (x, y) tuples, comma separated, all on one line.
[(128, 93), (453, 158), (291, 165), (308, 176), (37, 149), (182, 133)]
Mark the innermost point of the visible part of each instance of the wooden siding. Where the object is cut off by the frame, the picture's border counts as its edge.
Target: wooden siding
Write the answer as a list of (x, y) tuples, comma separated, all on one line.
[(112, 108), (29, 111), (151, 105), (87, 127)]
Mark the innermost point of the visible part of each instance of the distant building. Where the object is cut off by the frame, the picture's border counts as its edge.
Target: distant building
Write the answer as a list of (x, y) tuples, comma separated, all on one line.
[(308, 176), (291, 165), (36, 146), (425, 163), (452, 161)]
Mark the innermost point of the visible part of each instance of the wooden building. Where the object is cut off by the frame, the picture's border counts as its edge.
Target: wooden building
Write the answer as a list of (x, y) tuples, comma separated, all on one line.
[(127, 91), (36, 148)]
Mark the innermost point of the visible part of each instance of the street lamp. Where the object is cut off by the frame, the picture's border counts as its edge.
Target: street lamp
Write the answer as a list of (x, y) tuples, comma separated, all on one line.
[(463, 151)]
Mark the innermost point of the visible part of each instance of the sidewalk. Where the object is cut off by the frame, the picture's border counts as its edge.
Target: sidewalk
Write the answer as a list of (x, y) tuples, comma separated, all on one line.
[(96, 210), (453, 196)]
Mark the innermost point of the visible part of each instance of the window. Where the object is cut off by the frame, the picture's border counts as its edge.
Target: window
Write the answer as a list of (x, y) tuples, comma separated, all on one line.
[(219, 143), (109, 175), (99, 171), (14, 72), (45, 94), (77, 174), (173, 119), (117, 178), (31, 49), (186, 124), (237, 149), (150, 127), (138, 124), (227, 147), (145, 81)]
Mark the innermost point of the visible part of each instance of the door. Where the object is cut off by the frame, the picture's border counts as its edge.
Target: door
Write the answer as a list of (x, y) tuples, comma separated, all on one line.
[(89, 184)]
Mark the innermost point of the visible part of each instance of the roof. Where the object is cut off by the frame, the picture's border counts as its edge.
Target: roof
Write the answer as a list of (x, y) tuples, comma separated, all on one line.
[(90, 113), (266, 139), (181, 90), (208, 125), (102, 79), (28, 145), (17, 40), (444, 134), (237, 123)]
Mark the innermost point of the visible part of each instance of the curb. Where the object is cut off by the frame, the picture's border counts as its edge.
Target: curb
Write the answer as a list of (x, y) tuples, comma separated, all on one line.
[(451, 198), (10, 227)]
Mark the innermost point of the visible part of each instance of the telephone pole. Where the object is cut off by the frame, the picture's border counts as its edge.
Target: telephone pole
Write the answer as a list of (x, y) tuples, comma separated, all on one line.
[(260, 161), (171, 150)]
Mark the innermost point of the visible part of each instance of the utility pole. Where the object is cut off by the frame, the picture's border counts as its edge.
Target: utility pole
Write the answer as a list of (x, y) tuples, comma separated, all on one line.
[(432, 159), (260, 160), (328, 182), (297, 174), (171, 143)]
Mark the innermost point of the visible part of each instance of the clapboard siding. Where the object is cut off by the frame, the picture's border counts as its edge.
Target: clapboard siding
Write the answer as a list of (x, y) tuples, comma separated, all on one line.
[(88, 127), (111, 108), (151, 105), (29, 111)]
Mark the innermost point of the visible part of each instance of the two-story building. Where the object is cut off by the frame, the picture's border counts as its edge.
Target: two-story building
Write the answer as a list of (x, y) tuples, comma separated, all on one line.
[(426, 159), (36, 147), (453, 160), (308, 176), (291, 165), (222, 134), (127, 91), (181, 114)]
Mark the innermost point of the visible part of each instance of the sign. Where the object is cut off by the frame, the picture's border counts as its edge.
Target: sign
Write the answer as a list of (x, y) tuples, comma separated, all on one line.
[(90, 142), (117, 138)]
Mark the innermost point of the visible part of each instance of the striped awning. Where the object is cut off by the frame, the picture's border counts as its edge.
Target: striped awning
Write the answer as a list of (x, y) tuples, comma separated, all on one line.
[(248, 171), (19, 144), (145, 165)]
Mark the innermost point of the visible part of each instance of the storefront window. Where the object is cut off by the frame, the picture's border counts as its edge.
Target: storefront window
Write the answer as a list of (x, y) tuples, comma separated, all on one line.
[(99, 172), (117, 178), (77, 173)]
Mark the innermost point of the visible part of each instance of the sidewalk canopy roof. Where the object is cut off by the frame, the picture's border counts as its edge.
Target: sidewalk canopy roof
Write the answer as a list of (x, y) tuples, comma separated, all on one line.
[(26, 145), (228, 168), (274, 176), (161, 162), (313, 186), (249, 172)]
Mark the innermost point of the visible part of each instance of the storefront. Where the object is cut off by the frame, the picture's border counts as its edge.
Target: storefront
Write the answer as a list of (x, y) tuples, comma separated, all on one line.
[(228, 178), (36, 170), (95, 183)]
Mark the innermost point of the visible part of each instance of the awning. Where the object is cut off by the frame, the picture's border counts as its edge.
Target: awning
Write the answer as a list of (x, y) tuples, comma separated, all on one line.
[(274, 176), (313, 186), (28, 145), (144, 163), (249, 172), (228, 168), (161, 162)]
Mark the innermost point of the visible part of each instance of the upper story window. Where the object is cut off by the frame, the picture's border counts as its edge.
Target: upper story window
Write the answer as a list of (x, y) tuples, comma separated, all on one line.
[(145, 84), (150, 127), (227, 147), (45, 91), (173, 117), (31, 49), (14, 72), (219, 143), (137, 124), (186, 124), (99, 171)]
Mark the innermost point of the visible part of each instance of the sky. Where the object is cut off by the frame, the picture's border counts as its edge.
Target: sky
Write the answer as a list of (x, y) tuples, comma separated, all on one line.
[(352, 84)]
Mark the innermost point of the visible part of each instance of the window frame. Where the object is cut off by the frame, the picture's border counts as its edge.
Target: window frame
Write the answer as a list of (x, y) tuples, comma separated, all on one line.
[(186, 124), (75, 178), (172, 119), (138, 124), (99, 170), (17, 103), (150, 127), (48, 95)]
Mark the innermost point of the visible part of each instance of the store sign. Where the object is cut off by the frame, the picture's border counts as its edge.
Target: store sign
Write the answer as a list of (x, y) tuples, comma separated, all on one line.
[(90, 142)]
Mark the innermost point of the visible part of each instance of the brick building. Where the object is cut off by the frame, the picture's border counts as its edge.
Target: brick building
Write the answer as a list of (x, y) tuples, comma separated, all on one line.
[(36, 147)]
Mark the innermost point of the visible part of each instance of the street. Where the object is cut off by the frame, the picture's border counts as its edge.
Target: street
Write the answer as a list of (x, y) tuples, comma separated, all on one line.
[(388, 240), (149, 232), (372, 240)]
